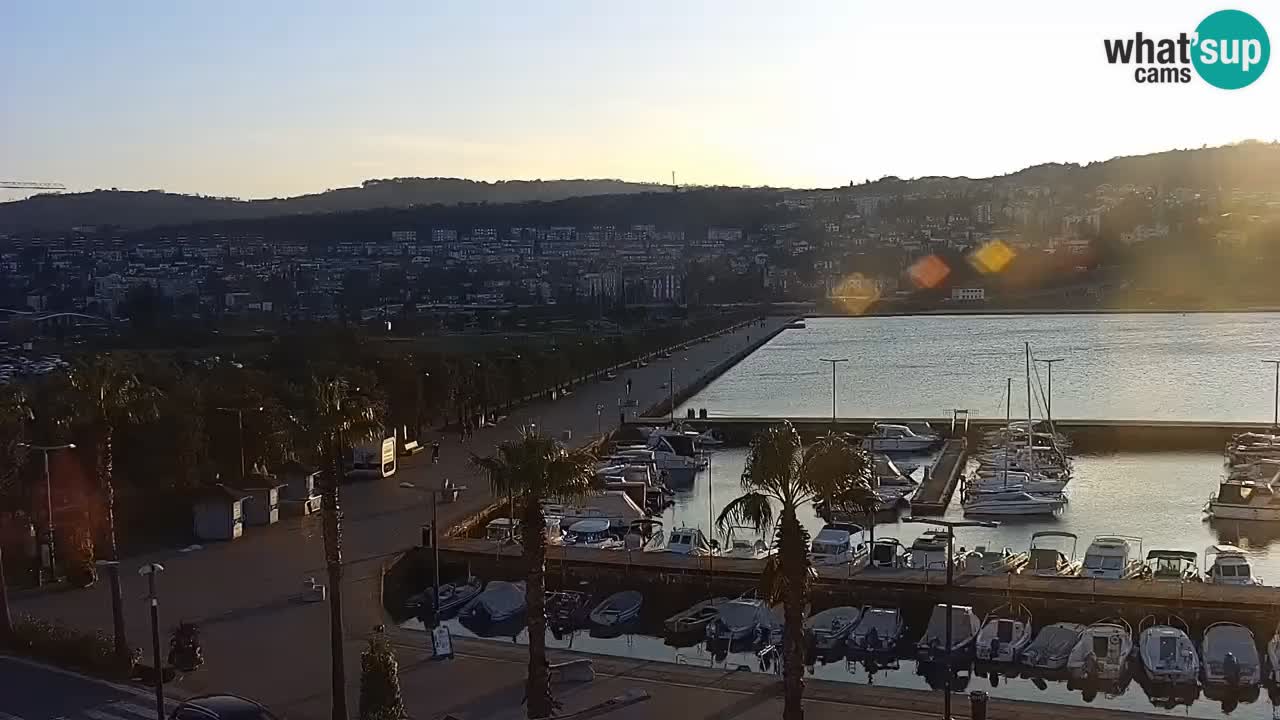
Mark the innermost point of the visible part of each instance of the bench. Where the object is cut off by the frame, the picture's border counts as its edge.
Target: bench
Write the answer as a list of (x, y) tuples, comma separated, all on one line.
[(413, 447)]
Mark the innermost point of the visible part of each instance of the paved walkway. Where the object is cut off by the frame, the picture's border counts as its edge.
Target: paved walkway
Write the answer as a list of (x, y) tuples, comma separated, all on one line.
[(52, 694), (259, 641)]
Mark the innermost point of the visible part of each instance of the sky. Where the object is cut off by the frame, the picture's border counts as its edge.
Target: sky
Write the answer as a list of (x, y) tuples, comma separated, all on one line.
[(267, 99)]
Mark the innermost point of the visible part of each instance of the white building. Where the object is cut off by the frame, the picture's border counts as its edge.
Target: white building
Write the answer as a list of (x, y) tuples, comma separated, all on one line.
[(968, 294)]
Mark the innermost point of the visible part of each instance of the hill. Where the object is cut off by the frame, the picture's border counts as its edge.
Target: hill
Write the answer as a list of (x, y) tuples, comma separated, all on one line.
[(142, 209)]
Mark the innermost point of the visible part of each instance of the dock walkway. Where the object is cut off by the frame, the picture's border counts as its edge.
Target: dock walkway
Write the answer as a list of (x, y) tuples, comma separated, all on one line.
[(940, 484)]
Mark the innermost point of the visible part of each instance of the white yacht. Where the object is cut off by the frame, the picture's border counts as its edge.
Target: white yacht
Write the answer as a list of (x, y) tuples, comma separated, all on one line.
[(1166, 652), (929, 551), (1245, 500), (1112, 557), (1005, 633), (1009, 502), (1103, 652), (690, 541), (1049, 561), (838, 546), (964, 628), (889, 437), (1230, 657), (1000, 480), (1229, 566), (1173, 566)]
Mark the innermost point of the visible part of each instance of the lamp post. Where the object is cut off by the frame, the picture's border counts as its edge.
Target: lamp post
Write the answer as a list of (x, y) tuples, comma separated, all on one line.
[(150, 570), (240, 427), (446, 488), (1048, 403), (834, 362), (48, 562), (1275, 412), (951, 525)]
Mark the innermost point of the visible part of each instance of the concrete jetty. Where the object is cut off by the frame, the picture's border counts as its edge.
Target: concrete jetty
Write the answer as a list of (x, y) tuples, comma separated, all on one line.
[(940, 484)]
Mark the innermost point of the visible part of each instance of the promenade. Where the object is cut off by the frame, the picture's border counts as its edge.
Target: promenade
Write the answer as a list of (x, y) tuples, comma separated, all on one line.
[(259, 640)]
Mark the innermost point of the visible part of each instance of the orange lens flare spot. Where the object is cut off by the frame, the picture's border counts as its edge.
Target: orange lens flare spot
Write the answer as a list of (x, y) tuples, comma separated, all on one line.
[(929, 271)]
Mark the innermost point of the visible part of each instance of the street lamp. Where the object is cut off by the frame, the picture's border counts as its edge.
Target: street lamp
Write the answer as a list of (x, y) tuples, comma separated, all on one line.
[(1048, 403), (599, 409), (150, 571), (450, 490), (1275, 413), (48, 498), (951, 526), (240, 426), (834, 362)]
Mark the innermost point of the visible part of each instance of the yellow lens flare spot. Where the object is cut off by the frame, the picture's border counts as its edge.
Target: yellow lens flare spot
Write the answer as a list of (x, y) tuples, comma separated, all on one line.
[(928, 271), (855, 294), (992, 257)]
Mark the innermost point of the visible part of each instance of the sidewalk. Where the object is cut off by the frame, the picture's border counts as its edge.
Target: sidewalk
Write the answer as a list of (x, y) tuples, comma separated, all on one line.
[(259, 641)]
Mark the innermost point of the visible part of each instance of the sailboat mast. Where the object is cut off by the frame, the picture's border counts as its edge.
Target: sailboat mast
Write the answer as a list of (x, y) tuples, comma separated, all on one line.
[(1031, 453), (1008, 423)]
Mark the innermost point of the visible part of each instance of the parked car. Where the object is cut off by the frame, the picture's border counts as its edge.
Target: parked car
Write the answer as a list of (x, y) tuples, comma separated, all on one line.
[(220, 707)]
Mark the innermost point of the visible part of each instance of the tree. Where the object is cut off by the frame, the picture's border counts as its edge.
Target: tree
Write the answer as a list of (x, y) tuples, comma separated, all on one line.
[(102, 394), (380, 697), (780, 477), (13, 420), (332, 413), (536, 468)]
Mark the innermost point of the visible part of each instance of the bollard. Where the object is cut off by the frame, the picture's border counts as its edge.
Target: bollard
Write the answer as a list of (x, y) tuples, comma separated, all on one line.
[(977, 705)]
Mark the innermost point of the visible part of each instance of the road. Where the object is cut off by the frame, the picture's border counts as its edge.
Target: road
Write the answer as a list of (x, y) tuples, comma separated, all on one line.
[(259, 640), (29, 691)]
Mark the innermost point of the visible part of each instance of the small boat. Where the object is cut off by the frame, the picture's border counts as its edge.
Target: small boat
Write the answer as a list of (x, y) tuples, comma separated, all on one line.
[(739, 619), (1229, 566), (828, 629), (568, 609), (744, 549), (981, 561), (1109, 556), (1103, 652), (615, 506), (889, 553), (1173, 566), (711, 438), (592, 534), (1005, 633), (1230, 658), (1273, 656), (1010, 502), (891, 437), (695, 618), (499, 601), (617, 609), (838, 546), (454, 596), (929, 551), (1245, 500), (1166, 652), (1052, 647), (502, 530), (878, 632), (964, 629), (692, 542), (1051, 562)]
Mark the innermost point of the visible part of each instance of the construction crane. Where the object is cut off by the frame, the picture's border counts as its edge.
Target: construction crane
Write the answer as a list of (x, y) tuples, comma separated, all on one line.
[(23, 185)]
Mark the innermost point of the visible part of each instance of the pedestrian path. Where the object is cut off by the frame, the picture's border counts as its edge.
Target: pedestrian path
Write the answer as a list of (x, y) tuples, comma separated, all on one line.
[(136, 709), (32, 691)]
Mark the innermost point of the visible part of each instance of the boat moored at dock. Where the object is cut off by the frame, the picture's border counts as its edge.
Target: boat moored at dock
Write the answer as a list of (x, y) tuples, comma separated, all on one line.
[(1103, 652)]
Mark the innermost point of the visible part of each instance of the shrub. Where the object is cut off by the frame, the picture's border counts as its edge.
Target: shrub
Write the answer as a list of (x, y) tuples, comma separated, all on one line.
[(67, 647), (380, 681)]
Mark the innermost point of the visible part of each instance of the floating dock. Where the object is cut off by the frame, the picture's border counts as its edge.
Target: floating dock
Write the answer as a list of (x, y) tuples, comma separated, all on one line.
[(940, 484)]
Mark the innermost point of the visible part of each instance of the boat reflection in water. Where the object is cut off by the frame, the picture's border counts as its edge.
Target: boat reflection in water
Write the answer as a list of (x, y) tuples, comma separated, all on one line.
[(1247, 534)]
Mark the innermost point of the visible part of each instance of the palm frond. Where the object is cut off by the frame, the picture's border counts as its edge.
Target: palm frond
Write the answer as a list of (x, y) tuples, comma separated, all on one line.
[(831, 467), (751, 509), (771, 462), (536, 466), (776, 581)]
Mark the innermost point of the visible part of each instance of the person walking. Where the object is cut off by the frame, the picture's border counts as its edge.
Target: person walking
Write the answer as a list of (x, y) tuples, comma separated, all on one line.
[(435, 451)]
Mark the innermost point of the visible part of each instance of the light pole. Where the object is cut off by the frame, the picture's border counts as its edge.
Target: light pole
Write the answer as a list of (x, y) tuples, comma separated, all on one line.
[(150, 571), (599, 409), (951, 526), (48, 562), (1275, 412), (1048, 403), (451, 490), (834, 362), (240, 426)]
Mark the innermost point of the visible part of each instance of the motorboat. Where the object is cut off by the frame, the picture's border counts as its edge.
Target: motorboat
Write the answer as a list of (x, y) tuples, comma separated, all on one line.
[(452, 596), (745, 549), (617, 609), (964, 629), (891, 437), (981, 561), (1250, 446), (695, 618), (877, 632), (1052, 646), (1109, 556), (567, 609), (1173, 566), (1273, 656), (1010, 502), (1028, 482), (1049, 561), (1005, 633), (616, 506), (711, 438), (1266, 469), (1103, 652), (929, 551), (1245, 500), (837, 546), (1229, 658), (498, 602), (889, 553), (1229, 566), (828, 629), (502, 530), (676, 450), (592, 534), (692, 542), (1166, 652), (738, 620)]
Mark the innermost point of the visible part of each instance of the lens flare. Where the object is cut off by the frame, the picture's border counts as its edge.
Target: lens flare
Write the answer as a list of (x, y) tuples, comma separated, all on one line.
[(929, 271), (855, 293), (992, 257)]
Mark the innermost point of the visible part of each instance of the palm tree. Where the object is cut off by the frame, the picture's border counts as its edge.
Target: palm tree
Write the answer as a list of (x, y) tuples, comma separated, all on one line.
[(101, 395), (331, 415), (781, 476), (535, 468), (14, 413)]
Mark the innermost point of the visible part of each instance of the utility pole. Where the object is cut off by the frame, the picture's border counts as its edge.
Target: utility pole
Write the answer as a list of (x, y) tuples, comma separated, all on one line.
[(1048, 403), (239, 412), (1275, 412), (49, 562), (834, 362), (151, 570)]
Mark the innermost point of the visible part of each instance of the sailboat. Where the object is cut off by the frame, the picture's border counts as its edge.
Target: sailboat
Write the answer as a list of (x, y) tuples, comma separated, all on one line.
[(1006, 494)]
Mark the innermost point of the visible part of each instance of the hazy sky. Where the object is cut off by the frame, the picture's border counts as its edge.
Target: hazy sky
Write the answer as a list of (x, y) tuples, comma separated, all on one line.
[(275, 98)]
